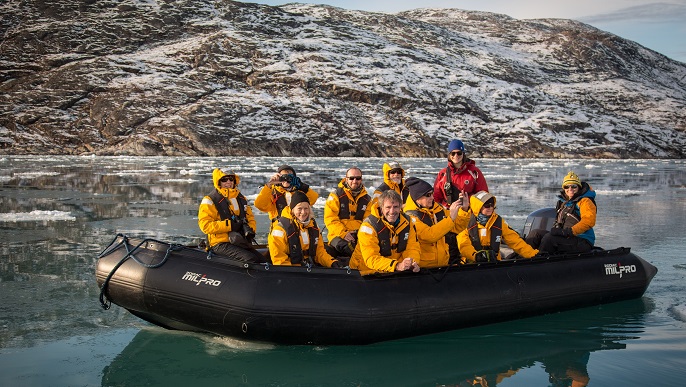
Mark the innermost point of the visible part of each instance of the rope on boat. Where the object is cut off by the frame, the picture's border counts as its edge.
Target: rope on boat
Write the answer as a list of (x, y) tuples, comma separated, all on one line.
[(104, 301)]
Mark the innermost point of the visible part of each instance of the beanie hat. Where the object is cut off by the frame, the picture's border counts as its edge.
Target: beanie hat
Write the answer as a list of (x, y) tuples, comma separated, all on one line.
[(298, 197), (285, 168), (418, 187), (571, 178), (455, 145)]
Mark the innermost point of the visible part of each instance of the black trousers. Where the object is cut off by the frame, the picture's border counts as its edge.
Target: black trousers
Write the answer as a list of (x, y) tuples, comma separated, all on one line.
[(239, 253), (544, 241)]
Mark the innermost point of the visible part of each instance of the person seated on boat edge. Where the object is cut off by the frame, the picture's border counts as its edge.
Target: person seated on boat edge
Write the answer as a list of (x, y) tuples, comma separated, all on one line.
[(387, 241), (572, 231), (460, 177), (433, 222), (393, 179), (480, 241), (295, 238), (227, 219), (345, 209), (276, 194)]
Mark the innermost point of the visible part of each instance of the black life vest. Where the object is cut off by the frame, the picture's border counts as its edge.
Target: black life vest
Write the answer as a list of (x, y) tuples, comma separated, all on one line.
[(360, 205), (296, 251), (279, 200), (221, 203), (450, 194), (404, 191), (496, 233), (568, 216), (384, 235), (426, 218)]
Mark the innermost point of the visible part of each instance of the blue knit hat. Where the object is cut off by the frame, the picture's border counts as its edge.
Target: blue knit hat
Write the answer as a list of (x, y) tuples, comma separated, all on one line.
[(455, 145)]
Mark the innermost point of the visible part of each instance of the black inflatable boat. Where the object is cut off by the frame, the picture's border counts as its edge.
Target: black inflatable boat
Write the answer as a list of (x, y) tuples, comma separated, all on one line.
[(183, 288)]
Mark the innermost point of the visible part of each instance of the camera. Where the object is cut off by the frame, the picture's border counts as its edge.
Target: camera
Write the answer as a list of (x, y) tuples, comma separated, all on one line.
[(287, 178)]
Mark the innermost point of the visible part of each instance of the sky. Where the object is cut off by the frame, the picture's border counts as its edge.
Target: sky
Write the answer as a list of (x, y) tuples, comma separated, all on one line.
[(660, 26)]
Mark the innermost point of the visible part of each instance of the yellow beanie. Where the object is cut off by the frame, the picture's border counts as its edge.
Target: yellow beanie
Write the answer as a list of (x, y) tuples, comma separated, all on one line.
[(571, 178)]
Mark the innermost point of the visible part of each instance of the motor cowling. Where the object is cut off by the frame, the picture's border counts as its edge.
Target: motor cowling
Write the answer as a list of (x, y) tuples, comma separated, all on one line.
[(543, 218)]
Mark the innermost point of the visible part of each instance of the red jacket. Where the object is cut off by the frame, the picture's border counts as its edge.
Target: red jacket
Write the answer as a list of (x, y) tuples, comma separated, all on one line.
[(468, 178)]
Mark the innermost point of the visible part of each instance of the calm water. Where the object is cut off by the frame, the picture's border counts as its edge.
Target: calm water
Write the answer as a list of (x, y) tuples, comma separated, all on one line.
[(58, 213)]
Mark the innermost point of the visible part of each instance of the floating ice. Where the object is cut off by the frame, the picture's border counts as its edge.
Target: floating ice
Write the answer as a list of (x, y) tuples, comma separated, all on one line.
[(36, 215)]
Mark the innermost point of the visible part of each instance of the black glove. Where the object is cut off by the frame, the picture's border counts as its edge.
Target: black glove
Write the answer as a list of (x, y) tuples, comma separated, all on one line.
[(296, 182), (485, 256), (542, 254), (556, 231), (235, 224), (336, 264), (567, 232), (249, 233)]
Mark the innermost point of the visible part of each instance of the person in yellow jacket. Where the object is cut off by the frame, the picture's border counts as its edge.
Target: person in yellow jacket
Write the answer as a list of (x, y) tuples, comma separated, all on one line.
[(345, 209), (480, 241), (227, 219), (276, 194), (295, 239), (386, 241), (393, 179), (433, 222)]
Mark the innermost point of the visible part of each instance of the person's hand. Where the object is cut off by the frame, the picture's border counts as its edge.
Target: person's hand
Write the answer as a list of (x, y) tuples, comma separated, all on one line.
[(454, 209), (235, 224), (485, 256), (249, 234), (556, 231), (349, 237), (275, 179), (296, 182), (464, 199), (407, 264), (336, 264)]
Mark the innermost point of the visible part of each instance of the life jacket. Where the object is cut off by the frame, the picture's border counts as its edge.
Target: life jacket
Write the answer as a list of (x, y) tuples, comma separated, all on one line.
[(221, 203), (496, 234), (404, 191), (384, 235), (568, 213), (361, 202), (296, 252), (279, 200), (426, 218), (452, 193)]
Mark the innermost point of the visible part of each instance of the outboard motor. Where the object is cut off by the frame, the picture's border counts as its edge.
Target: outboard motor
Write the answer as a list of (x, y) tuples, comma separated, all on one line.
[(543, 218)]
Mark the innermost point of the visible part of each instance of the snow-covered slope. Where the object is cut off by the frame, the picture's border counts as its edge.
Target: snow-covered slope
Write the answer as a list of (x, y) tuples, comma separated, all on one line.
[(227, 78)]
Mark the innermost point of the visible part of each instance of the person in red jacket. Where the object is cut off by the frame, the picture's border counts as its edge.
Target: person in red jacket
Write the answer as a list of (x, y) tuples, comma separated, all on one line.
[(460, 176)]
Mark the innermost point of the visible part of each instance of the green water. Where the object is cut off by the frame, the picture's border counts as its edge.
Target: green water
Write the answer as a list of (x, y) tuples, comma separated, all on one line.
[(54, 333)]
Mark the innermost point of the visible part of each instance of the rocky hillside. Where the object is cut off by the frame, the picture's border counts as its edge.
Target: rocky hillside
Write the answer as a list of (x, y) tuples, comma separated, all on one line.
[(210, 78)]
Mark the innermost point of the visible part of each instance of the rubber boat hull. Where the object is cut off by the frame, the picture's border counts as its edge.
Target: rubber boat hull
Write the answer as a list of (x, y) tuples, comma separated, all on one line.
[(183, 288)]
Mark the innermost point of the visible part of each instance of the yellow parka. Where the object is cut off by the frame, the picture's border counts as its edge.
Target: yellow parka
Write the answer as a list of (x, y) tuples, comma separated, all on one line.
[(367, 257), (209, 220), (401, 189), (279, 247), (335, 226), (434, 249), (266, 199), (509, 236)]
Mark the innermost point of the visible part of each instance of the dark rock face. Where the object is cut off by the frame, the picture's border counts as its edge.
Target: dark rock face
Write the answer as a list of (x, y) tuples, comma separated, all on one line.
[(212, 78)]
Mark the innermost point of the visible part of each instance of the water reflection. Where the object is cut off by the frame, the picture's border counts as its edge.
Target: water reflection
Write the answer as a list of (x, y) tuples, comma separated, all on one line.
[(558, 344)]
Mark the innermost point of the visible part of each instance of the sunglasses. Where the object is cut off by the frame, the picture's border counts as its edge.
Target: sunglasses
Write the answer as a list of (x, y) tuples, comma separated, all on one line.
[(488, 205), (227, 178), (456, 153), (395, 171), (354, 177), (572, 186)]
